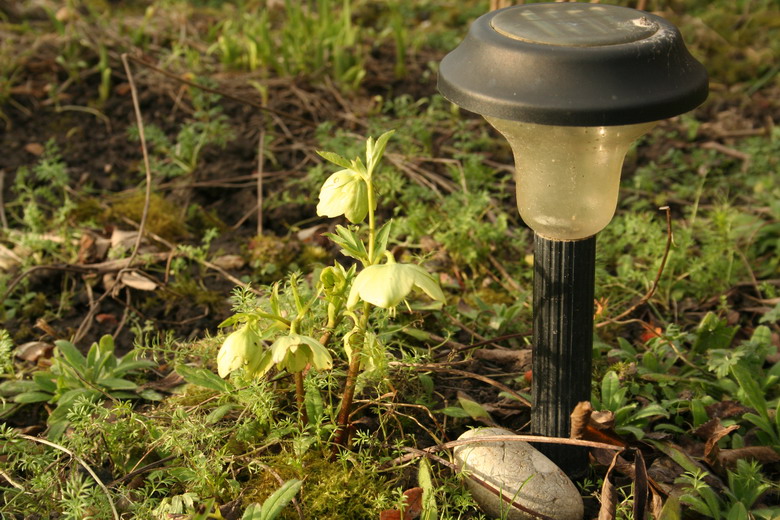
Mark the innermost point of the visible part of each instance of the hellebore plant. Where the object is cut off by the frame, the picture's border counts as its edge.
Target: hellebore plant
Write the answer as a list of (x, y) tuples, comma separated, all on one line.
[(374, 280)]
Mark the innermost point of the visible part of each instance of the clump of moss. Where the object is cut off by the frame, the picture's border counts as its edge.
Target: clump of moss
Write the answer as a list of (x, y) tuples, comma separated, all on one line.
[(330, 489), (271, 256), (163, 218), (491, 296)]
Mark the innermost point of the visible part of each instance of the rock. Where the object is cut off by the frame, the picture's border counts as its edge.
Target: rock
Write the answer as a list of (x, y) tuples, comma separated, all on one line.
[(522, 473)]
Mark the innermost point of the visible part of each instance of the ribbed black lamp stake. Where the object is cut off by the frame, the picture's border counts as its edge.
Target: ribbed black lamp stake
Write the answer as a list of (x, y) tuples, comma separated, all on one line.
[(571, 86)]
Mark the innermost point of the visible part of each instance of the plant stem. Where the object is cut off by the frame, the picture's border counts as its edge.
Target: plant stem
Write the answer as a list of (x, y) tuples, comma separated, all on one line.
[(342, 421), (371, 221), (300, 396)]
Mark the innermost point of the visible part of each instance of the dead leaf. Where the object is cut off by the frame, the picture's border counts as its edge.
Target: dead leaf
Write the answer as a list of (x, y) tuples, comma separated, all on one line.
[(124, 239), (122, 89), (726, 409), (711, 450), (609, 493), (580, 418), (640, 485), (513, 360), (412, 509), (763, 454), (33, 351), (136, 280), (167, 383), (8, 259), (602, 420), (106, 318), (656, 504), (229, 262), (36, 149), (92, 248)]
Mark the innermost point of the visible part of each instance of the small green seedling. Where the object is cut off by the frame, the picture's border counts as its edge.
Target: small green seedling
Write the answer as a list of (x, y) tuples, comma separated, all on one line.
[(375, 280), (99, 375)]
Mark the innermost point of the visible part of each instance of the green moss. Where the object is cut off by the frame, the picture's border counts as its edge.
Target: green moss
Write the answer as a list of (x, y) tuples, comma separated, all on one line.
[(330, 489), (272, 256), (163, 219)]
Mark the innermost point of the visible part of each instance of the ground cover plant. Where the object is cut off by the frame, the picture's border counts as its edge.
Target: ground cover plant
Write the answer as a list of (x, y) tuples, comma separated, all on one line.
[(317, 277)]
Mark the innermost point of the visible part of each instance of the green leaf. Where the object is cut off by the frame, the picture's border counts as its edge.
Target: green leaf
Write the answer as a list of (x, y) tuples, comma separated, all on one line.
[(713, 333), (11, 388), (335, 159), (376, 149), (430, 510), (32, 397), (219, 412), (71, 355), (677, 455), (699, 413), (56, 429), (610, 391), (151, 395), (382, 236), (671, 509), (128, 364), (204, 378), (350, 243), (455, 411), (116, 383), (314, 404), (651, 410), (473, 408), (753, 393), (273, 505)]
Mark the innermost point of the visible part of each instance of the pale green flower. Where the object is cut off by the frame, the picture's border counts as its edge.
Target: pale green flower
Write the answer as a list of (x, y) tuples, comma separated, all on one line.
[(293, 352), (344, 193), (241, 349), (389, 284)]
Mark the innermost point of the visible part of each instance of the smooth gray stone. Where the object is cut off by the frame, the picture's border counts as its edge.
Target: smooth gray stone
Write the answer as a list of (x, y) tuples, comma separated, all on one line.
[(522, 473)]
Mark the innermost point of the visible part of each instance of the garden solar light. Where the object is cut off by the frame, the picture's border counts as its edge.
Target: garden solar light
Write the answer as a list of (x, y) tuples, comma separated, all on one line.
[(571, 86)]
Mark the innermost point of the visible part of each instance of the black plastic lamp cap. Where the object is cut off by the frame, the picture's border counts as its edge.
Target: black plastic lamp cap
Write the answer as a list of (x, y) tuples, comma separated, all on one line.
[(573, 64)]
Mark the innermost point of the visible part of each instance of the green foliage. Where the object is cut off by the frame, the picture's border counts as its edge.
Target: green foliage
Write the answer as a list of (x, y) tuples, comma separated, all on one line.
[(629, 416), (273, 505), (208, 125), (745, 485), (73, 376), (42, 201), (295, 39), (6, 354)]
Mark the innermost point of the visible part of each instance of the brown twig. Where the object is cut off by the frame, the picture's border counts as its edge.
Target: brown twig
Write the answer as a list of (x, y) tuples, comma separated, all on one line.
[(460, 347), (455, 371), (260, 168), (342, 421), (300, 397), (216, 91), (504, 438), (649, 294), (508, 279), (86, 322), (83, 465), (149, 467)]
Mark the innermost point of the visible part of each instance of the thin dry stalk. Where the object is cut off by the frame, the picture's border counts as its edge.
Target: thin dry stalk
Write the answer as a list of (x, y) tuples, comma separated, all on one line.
[(479, 377), (260, 168), (83, 465), (644, 299)]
